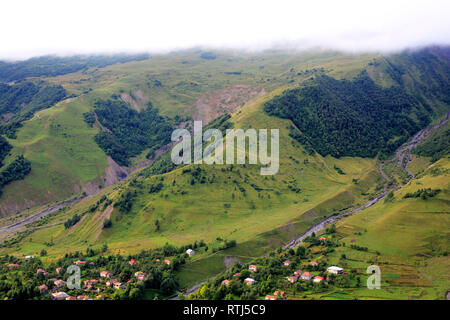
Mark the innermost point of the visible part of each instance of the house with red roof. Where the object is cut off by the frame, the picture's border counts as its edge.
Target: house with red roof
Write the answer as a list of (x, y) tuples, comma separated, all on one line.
[(132, 262), (317, 279), (105, 274), (253, 268), (110, 283), (90, 282), (280, 294), (59, 283), (79, 262), (269, 297), (226, 282), (287, 263), (313, 263), (307, 276), (43, 288), (298, 273), (292, 279), (42, 271), (13, 265), (140, 275)]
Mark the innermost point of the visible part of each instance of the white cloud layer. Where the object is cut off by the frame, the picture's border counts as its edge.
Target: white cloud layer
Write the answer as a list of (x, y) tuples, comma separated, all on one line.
[(30, 28)]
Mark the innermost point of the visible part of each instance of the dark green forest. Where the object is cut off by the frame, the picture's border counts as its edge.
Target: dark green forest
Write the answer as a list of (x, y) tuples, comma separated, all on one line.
[(351, 118), (5, 148), (128, 132), (22, 100), (16, 170), (49, 66)]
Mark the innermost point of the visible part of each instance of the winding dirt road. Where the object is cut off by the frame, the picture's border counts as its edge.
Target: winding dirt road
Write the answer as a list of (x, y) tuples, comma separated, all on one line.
[(401, 152)]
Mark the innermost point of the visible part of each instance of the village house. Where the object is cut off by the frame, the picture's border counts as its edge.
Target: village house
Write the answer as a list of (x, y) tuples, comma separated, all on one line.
[(28, 258), (60, 295), (79, 262), (42, 271), (269, 297), (226, 282), (90, 282), (307, 276), (13, 265), (298, 273), (292, 279), (318, 279), (287, 263), (71, 298), (167, 261), (190, 252), (110, 283), (132, 262), (249, 281), (237, 274), (105, 274), (59, 283), (43, 288), (280, 294), (81, 298), (335, 270), (140, 276), (323, 239), (253, 268), (119, 285), (313, 264), (58, 270)]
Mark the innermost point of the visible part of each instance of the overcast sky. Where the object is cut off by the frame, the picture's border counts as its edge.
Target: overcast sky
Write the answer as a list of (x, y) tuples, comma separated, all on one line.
[(30, 28)]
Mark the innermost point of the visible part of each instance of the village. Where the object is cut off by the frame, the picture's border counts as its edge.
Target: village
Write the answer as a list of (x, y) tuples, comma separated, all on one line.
[(291, 274), (282, 274), (102, 277)]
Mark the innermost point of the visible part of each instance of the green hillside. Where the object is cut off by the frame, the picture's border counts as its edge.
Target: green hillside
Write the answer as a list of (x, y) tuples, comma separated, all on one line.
[(241, 203), (341, 119), (65, 158)]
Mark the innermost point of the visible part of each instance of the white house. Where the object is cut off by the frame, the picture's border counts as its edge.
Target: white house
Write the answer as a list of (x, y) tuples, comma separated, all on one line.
[(28, 258), (249, 281), (190, 252), (60, 295), (335, 270)]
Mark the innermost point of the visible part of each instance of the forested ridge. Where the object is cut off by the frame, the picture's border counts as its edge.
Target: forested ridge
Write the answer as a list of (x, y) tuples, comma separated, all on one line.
[(127, 132), (49, 66), (21, 100), (350, 118), (359, 117)]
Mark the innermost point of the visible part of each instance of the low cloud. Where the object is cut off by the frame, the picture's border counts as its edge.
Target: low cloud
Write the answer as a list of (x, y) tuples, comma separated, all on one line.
[(31, 28)]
